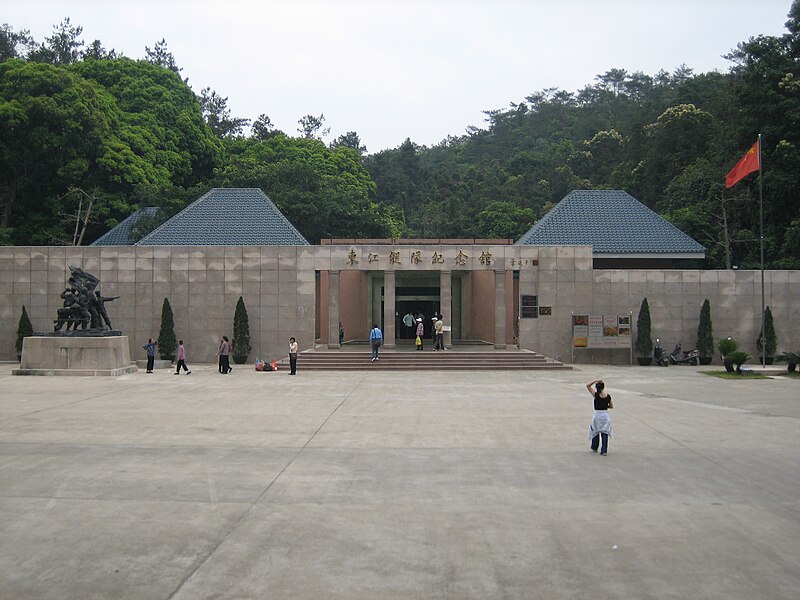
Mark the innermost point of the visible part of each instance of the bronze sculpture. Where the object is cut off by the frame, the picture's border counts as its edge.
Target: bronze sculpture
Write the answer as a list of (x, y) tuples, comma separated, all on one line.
[(83, 307)]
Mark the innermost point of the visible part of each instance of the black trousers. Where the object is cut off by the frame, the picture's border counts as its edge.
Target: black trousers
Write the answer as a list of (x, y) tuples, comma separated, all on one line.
[(181, 363), (151, 360), (293, 363), (224, 363), (596, 441)]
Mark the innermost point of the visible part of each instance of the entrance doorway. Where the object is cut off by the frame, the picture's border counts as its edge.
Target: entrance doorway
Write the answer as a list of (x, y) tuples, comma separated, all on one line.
[(417, 309), (417, 301)]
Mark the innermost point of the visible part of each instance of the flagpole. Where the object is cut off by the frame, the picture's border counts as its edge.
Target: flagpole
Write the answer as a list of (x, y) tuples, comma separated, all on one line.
[(761, 221)]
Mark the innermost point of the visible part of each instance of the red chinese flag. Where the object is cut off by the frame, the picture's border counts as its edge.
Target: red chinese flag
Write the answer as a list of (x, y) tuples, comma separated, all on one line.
[(749, 163)]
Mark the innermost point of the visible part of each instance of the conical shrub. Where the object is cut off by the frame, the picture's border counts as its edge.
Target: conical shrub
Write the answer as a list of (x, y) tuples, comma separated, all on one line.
[(167, 342)]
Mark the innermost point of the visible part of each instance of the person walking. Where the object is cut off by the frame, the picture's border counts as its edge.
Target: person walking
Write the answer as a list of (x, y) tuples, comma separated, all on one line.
[(439, 329), (224, 353), (420, 333), (150, 348), (292, 356), (181, 359), (375, 340), (601, 420)]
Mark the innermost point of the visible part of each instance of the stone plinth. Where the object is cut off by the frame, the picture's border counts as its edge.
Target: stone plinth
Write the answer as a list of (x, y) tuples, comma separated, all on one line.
[(87, 356)]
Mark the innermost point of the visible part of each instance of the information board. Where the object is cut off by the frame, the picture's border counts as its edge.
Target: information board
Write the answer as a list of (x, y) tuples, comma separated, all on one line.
[(601, 331)]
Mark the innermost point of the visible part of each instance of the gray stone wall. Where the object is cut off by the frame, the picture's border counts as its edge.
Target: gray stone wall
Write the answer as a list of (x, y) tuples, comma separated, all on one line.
[(566, 281), (203, 285), (278, 287)]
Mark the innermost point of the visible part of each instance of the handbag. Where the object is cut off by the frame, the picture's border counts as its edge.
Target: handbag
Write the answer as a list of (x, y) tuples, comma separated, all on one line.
[(419, 341)]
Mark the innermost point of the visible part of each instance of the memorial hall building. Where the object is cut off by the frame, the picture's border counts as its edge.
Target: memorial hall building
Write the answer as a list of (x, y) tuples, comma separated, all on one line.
[(597, 252)]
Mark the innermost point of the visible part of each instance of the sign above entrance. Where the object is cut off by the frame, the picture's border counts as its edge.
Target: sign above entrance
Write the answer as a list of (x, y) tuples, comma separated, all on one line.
[(468, 258)]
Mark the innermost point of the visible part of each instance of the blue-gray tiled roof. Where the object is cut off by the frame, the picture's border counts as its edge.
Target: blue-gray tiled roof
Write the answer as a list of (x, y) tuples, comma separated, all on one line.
[(121, 234), (227, 217), (612, 222)]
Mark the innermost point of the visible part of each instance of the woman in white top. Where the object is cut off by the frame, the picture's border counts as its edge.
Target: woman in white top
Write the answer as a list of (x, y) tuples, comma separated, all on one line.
[(293, 356)]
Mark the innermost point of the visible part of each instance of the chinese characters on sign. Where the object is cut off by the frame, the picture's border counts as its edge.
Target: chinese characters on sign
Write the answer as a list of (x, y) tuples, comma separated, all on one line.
[(437, 258)]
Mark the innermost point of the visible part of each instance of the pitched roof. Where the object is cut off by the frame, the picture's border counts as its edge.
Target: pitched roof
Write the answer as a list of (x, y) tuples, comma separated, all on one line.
[(121, 234), (614, 223), (227, 217)]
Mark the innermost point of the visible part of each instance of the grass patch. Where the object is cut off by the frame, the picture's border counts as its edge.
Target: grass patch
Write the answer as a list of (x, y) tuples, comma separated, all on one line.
[(791, 374), (726, 375)]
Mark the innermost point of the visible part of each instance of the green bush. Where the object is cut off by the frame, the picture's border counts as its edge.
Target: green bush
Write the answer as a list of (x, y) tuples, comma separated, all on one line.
[(727, 345), (241, 333), (705, 335), (792, 358), (24, 329), (738, 358), (167, 342), (767, 335), (644, 341)]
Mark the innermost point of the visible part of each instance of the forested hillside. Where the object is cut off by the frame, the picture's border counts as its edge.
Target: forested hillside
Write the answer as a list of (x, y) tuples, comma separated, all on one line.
[(83, 127)]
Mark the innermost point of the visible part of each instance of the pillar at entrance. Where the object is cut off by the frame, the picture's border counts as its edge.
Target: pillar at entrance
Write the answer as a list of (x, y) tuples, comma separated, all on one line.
[(333, 309), (446, 303), (388, 309), (500, 309)]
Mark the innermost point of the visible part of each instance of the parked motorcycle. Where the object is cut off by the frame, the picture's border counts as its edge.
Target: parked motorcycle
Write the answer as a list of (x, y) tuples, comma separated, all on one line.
[(679, 357), (659, 356)]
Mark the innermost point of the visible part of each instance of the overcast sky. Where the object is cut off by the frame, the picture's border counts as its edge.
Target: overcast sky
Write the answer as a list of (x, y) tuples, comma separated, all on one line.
[(396, 69)]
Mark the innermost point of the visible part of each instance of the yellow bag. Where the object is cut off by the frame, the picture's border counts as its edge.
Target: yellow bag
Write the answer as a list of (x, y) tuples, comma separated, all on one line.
[(419, 341)]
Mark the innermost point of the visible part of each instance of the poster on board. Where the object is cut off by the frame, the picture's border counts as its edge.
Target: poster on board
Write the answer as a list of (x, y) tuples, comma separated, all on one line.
[(601, 331)]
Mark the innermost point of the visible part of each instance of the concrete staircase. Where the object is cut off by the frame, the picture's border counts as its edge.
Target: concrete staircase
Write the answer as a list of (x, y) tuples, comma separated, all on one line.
[(402, 360)]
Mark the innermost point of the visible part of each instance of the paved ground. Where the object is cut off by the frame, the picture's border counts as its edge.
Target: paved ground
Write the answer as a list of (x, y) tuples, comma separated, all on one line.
[(389, 485)]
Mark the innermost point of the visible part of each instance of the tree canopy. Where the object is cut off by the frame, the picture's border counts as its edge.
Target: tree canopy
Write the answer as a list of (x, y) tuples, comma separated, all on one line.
[(78, 121)]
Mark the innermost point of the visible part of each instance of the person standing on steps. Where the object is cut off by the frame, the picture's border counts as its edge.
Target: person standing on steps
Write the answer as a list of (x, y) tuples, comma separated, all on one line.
[(181, 359), (150, 348), (293, 356), (601, 420), (375, 340), (420, 333), (439, 332)]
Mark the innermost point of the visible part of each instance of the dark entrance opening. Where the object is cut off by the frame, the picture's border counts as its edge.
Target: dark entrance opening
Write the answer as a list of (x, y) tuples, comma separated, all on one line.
[(415, 301)]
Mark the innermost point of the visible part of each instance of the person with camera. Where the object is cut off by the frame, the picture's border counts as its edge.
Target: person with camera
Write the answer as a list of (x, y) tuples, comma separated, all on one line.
[(600, 427)]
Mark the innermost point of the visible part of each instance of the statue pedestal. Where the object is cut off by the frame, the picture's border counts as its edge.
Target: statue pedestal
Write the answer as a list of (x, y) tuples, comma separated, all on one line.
[(80, 355)]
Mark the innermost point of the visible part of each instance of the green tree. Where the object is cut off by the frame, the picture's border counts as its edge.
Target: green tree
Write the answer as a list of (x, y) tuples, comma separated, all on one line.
[(218, 116), (167, 342), (55, 129), (14, 44), (63, 47), (505, 220), (241, 333), (644, 343), (24, 329), (350, 140), (162, 57), (767, 342), (325, 192), (705, 334), (311, 127)]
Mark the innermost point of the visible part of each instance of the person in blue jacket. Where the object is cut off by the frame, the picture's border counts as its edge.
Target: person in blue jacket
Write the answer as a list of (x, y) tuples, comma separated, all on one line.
[(375, 340)]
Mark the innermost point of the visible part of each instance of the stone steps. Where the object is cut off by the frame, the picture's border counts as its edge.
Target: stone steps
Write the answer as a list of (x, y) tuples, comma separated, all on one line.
[(429, 360)]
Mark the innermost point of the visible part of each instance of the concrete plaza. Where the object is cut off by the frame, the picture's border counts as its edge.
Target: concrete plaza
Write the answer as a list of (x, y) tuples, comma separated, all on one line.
[(398, 485)]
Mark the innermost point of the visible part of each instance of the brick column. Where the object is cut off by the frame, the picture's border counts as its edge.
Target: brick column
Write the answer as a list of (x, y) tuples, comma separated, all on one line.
[(388, 309), (500, 309), (333, 309)]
